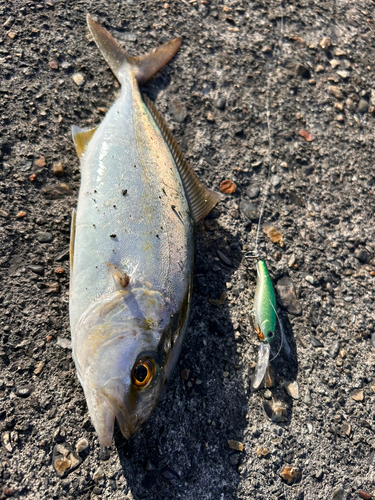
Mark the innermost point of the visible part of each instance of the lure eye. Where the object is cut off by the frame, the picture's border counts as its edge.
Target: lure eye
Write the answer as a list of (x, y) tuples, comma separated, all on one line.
[(143, 372)]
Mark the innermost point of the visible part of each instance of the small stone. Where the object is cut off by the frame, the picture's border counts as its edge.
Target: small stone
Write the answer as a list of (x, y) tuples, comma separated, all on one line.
[(291, 261), (234, 213), (362, 106), (37, 269), (6, 442), (334, 63), (21, 215), (64, 343), (319, 475), (309, 427), (98, 474), (169, 473), (357, 395), (225, 374), (350, 104), (24, 391), (253, 192), (343, 73), (61, 466), (78, 78), (325, 43), (12, 34), (287, 294), (310, 279), (275, 410), (40, 162), (224, 258), (249, 210), (59, 270), (362, 255), (52, 287), (235, 445), (292, 389), (290, 475), (348, 298), (96, 490), (82, 445), (227, 187), (336, 92), (75, 461), (58, 169), (335, 350), (319, 69), (339, 494), (275, 181), (44, 237), (262, 452), (346, 428), (53, 64), (220, 103), (177, 110), (102, 110), (150, 465), (307, 398), (3, 213), (316, 342), (210, 117), (364, 495), (185, 374), (267, 394), (39, 367)]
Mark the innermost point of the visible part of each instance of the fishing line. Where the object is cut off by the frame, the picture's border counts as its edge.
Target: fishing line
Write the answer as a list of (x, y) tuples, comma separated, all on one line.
[(270, 145)]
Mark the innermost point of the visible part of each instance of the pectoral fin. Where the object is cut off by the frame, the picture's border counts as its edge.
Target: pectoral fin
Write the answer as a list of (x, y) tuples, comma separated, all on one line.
[(201, 200), (81, 137)]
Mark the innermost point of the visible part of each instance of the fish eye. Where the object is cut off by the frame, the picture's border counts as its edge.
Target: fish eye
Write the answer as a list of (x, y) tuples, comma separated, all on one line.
[(143, 372)]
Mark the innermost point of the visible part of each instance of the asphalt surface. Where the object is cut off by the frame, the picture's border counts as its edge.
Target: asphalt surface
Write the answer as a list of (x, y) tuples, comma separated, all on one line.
[(279, 99)]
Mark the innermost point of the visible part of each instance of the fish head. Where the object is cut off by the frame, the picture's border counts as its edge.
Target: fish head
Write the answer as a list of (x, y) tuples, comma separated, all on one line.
[(120, 362)]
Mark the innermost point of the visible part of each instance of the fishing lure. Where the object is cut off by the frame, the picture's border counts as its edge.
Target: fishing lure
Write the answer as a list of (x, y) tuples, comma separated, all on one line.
[(265, 320)]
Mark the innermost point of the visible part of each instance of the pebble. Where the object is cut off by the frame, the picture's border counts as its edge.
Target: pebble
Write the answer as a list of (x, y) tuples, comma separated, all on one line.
[(235, 445), (290, 475), (362, 255), (350, 104), (249, 210), (325, 43), (59, 270), (37, 269), (169, 473), (98, 474), (346, 428), (227, 187), (44, 237), (64, 460), (292, 389), (336, 92), (224, 258), (82, 444), (287, 294), (150, 465), (316, 342), (78, 78), (58, 169), (40, 162), (3, 213), (21, 215), (220, 103), (267, 394), (335, 350), (364, 495), (362, 106), (39, 367), (343, 73), (348, 298), (178, 110), (185, 374), (357, 395), (262, 452), (234, 213), (309, 427), (275, 181), (53, 64), (253, 192), (339, 494), (64, 343), (307, 398), (275, 410), (24, 391), (6, 442), (310, 279), (334, 63), (210, 117)]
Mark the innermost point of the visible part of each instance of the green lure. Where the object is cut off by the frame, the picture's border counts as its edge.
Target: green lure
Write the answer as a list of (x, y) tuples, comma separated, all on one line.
[(264, 304)]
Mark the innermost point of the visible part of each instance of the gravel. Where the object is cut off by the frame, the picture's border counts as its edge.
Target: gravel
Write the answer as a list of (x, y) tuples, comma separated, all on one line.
[(214, 96)]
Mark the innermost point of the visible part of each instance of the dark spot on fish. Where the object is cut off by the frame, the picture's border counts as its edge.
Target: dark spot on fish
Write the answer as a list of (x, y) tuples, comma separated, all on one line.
[(164, 191), (93, 225), (157, 236), (161, 227), (114, 206), (95, 191), (124, 192), (173, 207), (112, 236), (135, 166)]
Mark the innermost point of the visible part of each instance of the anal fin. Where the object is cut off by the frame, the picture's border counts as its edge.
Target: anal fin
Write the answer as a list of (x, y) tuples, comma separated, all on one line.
[(81, 137), (201, 199)]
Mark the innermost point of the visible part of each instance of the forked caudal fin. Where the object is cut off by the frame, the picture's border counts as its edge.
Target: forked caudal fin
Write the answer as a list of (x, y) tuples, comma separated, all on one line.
[(146, 65)]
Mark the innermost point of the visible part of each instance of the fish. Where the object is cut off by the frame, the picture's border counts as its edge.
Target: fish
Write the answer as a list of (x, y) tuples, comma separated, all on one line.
[(131, 248)]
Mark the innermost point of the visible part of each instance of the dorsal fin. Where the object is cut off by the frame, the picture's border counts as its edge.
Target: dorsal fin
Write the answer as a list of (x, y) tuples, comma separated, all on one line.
[(201, 199), (145, 66), (81, 137)]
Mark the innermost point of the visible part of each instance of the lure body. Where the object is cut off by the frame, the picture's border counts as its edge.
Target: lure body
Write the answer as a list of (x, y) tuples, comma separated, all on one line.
[(264, 304), (132, 249)]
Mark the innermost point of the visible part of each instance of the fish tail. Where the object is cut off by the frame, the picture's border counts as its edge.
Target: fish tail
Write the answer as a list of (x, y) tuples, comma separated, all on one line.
[(145, 66)]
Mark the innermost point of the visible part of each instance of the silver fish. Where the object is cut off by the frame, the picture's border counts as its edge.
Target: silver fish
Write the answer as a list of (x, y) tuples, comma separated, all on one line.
[(132, 248)]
